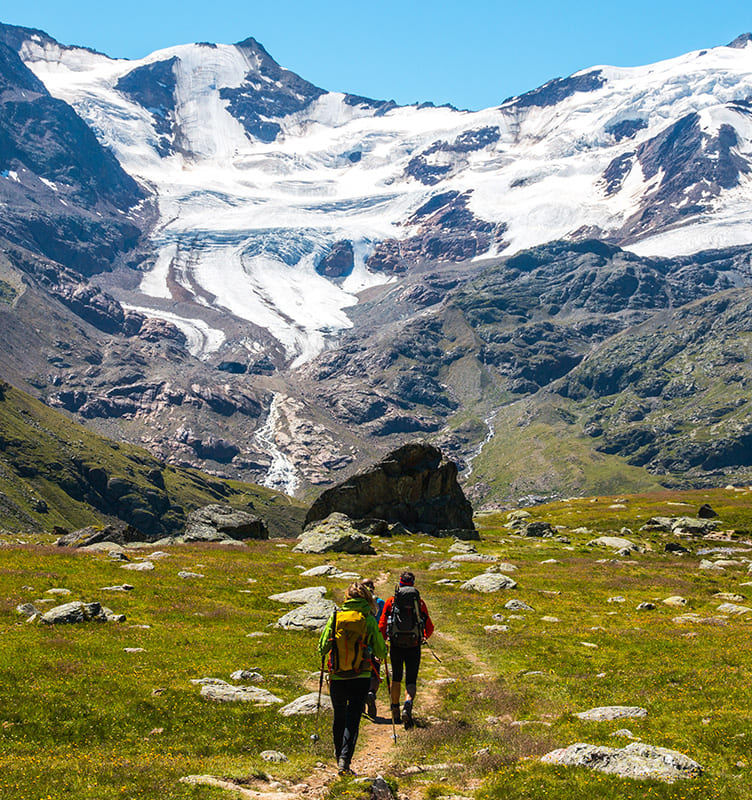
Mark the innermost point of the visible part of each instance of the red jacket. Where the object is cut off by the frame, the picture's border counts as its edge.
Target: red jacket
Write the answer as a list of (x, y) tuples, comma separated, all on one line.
[(387, 612)]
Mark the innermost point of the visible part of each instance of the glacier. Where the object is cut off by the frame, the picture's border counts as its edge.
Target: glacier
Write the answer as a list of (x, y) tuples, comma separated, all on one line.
[(245, 218)]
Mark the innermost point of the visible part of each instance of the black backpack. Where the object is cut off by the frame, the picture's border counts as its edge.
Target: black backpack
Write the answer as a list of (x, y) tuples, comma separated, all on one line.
[(406, 624)]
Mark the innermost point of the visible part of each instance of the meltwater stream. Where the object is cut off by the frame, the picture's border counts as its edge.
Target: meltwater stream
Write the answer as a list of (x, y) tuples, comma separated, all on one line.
[(281, 475)]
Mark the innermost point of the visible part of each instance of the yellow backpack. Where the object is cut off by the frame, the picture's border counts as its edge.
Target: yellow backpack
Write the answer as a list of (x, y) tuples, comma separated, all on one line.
[(349, 655)]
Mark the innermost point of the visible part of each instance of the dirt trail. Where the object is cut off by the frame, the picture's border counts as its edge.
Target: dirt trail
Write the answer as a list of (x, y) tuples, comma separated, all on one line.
[(376, 751)]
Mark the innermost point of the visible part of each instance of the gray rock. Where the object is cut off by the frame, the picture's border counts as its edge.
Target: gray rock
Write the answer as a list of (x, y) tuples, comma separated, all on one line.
[(414, 485), (118, 533), (326, 570), (138, 566), (123, 587), (70, 613), (539, 529), (249, 675), (518, 605), (733, 609), (27, 609), (605, 713), (228, 693), (300, 596), (615, 543), (186, 575), (436, 565), (636, 760), (647, 606), (477, 558), (489, 582), (461, 546), (496, 628), (209, 682), (217, 522), (335, 534), (273, 756), (305, 705), (309, 617)]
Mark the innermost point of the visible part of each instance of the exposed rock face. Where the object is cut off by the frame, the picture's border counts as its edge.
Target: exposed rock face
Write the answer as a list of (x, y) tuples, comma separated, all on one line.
[(215, 523), (309, 617), (70, 613), (489, 582), (414, 485), (339, 261)]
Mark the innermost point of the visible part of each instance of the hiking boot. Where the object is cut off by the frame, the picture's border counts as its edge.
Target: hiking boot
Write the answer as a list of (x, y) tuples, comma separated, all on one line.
[(396, 719), (407, 714), (343, 767), (371, 705)]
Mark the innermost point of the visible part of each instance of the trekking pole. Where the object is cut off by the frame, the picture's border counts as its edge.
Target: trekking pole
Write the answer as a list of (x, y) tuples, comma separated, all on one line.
[(389, 689), (315, 736), (433, 653)]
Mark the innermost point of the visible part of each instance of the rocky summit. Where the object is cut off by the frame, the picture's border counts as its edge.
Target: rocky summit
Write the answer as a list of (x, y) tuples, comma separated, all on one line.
[(414, 485)]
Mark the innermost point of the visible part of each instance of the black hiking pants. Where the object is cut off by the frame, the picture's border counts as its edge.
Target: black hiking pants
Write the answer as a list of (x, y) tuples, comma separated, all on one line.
[(405, 660), (348, 698)]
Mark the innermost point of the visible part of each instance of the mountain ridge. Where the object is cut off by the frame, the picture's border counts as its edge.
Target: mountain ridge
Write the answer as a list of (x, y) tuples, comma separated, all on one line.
[(313, 278)]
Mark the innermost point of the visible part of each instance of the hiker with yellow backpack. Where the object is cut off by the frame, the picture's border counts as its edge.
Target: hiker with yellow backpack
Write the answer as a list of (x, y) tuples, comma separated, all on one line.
[(351, 637)]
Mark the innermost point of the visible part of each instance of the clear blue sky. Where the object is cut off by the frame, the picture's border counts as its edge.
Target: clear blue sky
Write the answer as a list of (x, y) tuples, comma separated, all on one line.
[(472, 54)]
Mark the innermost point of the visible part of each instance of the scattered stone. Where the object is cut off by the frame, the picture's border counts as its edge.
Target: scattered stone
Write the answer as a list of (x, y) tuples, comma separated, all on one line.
[(706, 511), (273, 756), (675, 547), (139, 566), (123, 587), (503, 567), (219, 522), (607, 713), (729, 597), (624, 733), (58, 591), (589, 644), (185, 575), (256, 634), (300, 596), (441, 565), (327, 570), (647, 606), (705, 564), (517, 518), (727, 563), (239, 694), (335, 534), (676, 601), (550, 561), (539, 529), (479, 558), (308, 617), (118, 533), (636, 760), (306, 705), (733, 609), (27, 609), (250, 675), (71, 613), (489, 582), (209, 682), (134, 650), (496, 628), (448, 582), (617, 599), (518, 605), (623, 546), (462, 547), (550, 619)]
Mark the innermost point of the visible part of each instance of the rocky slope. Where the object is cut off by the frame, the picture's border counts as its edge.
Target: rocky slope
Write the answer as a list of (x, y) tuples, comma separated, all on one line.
[(205, 254)]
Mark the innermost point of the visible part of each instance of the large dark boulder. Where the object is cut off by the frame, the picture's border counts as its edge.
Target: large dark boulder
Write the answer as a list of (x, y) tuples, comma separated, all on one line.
[(414, 485), (117, 533), (218, 522)]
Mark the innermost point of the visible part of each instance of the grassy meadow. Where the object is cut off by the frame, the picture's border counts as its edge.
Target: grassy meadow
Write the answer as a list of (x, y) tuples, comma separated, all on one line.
[(81, 717)]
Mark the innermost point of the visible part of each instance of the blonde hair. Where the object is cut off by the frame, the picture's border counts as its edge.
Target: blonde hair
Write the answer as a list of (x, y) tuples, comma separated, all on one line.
[(360, 590)]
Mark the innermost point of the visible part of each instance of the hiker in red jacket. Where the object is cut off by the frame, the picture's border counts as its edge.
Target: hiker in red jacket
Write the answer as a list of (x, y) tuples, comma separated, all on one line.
[(405, 624)]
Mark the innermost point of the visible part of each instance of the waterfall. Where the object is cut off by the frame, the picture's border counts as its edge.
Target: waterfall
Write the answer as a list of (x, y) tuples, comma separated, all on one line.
[(281, 475)]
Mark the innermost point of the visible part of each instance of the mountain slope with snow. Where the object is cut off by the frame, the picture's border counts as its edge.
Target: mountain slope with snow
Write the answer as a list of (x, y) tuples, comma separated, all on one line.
[(258, 174)]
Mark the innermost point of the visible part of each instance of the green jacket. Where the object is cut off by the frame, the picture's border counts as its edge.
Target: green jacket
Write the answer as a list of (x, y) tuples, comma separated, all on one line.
[(375, 640)]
